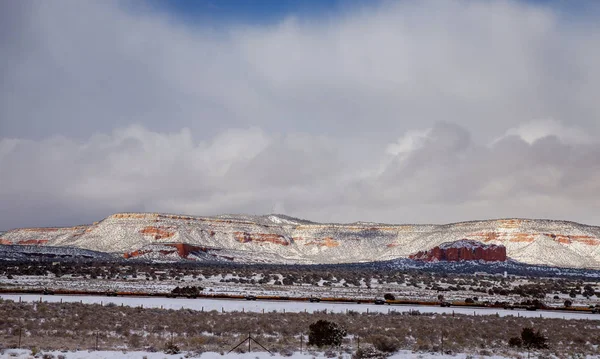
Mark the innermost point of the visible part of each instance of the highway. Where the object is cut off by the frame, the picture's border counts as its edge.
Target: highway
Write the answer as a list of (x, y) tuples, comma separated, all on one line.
[(288, 306)]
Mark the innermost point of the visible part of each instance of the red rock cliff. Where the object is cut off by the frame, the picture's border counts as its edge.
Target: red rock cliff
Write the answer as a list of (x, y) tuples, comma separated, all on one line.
[(462, 250)]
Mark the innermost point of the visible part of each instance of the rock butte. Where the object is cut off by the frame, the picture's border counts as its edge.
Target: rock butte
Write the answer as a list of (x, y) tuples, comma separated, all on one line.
[(463, 250)]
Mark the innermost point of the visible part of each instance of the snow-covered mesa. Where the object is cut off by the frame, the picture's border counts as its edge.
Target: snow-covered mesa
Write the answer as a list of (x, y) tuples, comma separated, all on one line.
[(282, 239)]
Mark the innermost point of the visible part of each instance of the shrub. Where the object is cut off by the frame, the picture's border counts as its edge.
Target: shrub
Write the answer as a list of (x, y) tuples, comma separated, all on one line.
[(330, 353), (369, 352), (385, 344), (286, 352), (532, 339), (515, 342), (171, 348), (324, 332), (389, 296), (568, 303)]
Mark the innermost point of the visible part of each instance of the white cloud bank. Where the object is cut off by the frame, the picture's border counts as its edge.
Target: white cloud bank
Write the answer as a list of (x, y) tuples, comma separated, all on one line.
[(403, 112)]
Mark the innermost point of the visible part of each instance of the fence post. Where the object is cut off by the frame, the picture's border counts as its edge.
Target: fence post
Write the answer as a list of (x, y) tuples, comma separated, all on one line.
[(19, 346)]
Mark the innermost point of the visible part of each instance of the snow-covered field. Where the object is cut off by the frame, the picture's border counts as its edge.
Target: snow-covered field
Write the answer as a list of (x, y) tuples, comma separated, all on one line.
[(213, 284), (285, 306)]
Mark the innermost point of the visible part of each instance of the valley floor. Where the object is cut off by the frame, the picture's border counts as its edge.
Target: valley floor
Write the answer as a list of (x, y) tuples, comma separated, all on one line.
[(259, 283)]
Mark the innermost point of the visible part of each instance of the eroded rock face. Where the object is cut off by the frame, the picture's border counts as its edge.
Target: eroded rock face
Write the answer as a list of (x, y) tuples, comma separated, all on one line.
[(166, 250), (463, 250), (183, 250), (327, 242), (245, 237), (157, 232)]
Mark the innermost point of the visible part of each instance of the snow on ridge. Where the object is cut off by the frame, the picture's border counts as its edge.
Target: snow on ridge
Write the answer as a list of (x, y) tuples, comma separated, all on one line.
[(280, 220)]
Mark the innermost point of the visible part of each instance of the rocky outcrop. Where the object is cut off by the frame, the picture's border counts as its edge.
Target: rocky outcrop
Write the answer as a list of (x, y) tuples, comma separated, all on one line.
[(182, 250), (463, 250), (328, 242), (174, 251), (245, 237), (157, 232)]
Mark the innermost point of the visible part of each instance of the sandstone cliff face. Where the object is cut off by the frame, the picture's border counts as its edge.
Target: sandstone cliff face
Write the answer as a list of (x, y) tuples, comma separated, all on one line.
[(182, 250), (463, 250), (280, 239)]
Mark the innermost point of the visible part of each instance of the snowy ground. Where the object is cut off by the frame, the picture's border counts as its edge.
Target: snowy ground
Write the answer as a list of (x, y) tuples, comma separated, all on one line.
[(213, 285), (285, 306), (21, 353)]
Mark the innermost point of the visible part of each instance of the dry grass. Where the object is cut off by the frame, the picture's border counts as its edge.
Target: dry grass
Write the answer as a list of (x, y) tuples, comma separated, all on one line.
[(56, 326)]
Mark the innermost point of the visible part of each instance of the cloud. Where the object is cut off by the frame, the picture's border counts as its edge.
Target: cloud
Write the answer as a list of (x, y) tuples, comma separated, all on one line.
[(535, 130), (447, 177), (397, 112)]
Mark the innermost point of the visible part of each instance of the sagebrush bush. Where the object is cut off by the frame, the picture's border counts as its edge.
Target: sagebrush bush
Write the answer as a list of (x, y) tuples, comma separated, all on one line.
[(384, 343)]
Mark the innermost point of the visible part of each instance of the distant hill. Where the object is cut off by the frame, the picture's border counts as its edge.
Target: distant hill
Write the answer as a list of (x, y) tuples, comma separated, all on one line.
[(283, 239)]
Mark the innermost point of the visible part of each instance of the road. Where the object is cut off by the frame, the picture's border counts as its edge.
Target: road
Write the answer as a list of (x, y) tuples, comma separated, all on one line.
[(231, 305)]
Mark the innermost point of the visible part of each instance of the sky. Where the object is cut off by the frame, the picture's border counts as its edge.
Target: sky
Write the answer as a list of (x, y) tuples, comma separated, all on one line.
[(333, 111)]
